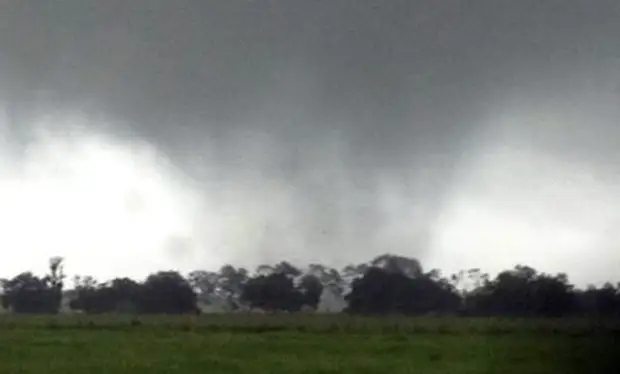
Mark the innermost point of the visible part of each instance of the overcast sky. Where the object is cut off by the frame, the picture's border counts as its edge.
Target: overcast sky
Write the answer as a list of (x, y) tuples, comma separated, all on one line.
[(142, 135)]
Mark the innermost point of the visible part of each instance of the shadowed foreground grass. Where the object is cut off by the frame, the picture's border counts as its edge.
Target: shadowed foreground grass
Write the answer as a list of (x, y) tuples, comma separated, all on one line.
[(286, 344)]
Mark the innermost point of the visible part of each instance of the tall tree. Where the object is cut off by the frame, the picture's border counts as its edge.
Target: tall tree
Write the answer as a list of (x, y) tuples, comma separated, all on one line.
[(27, 293), (311, 288), (231, 280), (385, 291), (167, 292), (409, 267), (203, 282), (272, 292), (329, 277)]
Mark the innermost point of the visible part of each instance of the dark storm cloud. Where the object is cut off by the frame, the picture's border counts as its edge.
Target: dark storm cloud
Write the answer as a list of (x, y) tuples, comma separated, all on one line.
[(391, 71), (334, 100)]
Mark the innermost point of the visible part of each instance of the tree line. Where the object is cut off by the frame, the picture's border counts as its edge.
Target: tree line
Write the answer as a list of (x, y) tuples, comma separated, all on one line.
[(388, 284)]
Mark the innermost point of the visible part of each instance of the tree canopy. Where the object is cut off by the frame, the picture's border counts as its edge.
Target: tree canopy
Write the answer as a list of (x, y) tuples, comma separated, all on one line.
[(387, 284)]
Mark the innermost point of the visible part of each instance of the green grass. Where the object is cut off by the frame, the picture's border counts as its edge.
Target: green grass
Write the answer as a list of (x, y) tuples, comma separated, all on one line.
[(304, 344)]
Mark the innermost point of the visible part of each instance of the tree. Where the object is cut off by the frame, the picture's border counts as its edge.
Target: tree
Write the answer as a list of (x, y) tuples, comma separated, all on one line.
[(409, 267), (552, 296), (272, 292), (120, 295), (125, 294), (350, 273), (386, 291), (329, 277), (87, 298), (230, 281), (311, 288), (29, 294), (386, 284), (55, 281), (56, 275), (283, 286), (203, 282), (522, 291), (377, 292), (283, 267), (167, 292), (603, 301)]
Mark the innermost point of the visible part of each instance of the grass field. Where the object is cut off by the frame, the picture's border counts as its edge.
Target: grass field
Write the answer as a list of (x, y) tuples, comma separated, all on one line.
[(305, 344)]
